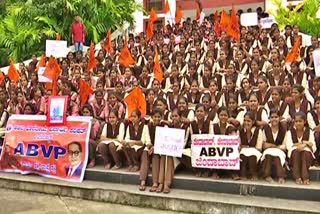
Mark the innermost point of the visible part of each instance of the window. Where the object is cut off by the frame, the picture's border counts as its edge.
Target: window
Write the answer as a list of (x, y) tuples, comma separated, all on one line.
[(155, 4)]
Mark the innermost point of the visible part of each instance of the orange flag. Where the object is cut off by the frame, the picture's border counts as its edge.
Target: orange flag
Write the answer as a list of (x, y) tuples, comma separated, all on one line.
[(58, 37), (52, 72), (13, 73), (233, 29), (166, 8), (92, 63), (198, 10), (42, 62), (179, 15), (225, 19), (85, 91), (1, 77), (136, 100), (294, 51), (125, 57), (153, 17), (157, 71), (107, 41)]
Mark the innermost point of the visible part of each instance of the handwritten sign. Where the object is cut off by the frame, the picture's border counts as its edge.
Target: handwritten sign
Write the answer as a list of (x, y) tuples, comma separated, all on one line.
[(316, 60), (56, 48), (169, 141), (249, 19), (215, 151), (267, 22)]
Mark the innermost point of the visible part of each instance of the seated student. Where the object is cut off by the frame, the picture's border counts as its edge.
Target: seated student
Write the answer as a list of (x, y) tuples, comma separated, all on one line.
[(88, 111), (244, 93), (236, 114), (112, 103), (38, 100), (194, 95), (313, 117), (187, 115), (222, 127), (276, 102), (250, 147), (215, 95), (137, 138), (263, 93), (29, 109), (110, 141), (201, 125), (301, 147), (274, 147), (260, 113), (212, 111), (21, 102), (161, 105)]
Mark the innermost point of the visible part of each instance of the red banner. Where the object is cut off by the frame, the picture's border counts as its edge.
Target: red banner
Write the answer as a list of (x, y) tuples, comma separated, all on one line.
[(59, 152)]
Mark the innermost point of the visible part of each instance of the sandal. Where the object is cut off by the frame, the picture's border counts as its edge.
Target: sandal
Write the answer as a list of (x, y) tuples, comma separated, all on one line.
[(269, 179), (298, 181), (281, 181), (107, 166), (306, 182), (160, 188), (115, 167), (91, 164), (142, 186), (153, 188)]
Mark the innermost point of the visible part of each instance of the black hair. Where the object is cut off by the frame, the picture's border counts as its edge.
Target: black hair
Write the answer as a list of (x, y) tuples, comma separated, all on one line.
[(75, 143)]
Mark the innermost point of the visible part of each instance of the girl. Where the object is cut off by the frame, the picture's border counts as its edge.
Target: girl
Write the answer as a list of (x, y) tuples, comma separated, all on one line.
[(276, 102), (150, 101), (260, 113), (263, 93), (201, 125), (88, 112), (212, 116), (299, 102), (215, 95), (276, 76), (21, 102), (250, 147), (301, 146), (137, 138), (98, 103), (172, 97), (235, 114), (244, 92), (29, 109), (254, 73), (110, 146), (274, 147), (313, 117), (38, 100), (223, 128), (112, 103), (194, 95), (297, 76), (187, 115)]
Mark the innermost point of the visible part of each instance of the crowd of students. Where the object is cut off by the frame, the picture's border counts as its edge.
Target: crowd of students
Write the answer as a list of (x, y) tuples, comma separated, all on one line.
[(212, 85)]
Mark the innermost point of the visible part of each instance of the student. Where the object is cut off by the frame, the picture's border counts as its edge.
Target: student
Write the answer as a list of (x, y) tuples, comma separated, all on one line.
[(276, 102), (186, 113), (112, 103), (263, 93), (260, 113), (137, 138), (110, 141), (301, 147), (201, 125), (88, 111), (194, 95), (250, 147), (223, 128), (313, 117), (244, 93), (274, 147), (38, 100), (236, 114)]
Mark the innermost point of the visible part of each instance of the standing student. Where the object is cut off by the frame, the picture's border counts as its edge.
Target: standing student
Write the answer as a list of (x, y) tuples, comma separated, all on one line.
[(274, 147), (201, 125), (137, 138), (223, 128), (301, 148), (250, 147), (77, 34), (88, 111), (110, 141)]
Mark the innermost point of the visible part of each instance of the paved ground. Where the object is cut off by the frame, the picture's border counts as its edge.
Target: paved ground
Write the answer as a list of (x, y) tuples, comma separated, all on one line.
[(35, 203)]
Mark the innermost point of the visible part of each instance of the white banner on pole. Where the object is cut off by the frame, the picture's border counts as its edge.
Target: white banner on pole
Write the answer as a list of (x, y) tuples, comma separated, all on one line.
[(56, 48), (249, 19)]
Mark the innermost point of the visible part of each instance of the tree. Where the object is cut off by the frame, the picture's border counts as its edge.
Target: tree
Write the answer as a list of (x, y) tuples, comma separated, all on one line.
[(26, 25)]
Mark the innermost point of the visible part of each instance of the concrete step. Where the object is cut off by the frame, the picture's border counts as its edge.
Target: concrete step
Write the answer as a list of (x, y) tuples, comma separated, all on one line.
[(177, 200), (187, 181)]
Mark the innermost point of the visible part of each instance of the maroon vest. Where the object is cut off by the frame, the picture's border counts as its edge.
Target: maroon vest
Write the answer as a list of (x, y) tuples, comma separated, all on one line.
[(152, 131), (205, 127), (113, 133), (315, 117), (253, 140), (282, 107), (280, 137), (217, 129), (294, 136), (136, 135), (303, 107)]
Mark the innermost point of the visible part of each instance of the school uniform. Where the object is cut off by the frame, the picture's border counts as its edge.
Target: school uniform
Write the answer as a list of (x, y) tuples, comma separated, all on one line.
[(118, 106), (133, 153), (274, 157), (283, 108), (251, 155), (110, 148), (313, 121), (304, 107), (93, 137), (172, 100), (300, 161)]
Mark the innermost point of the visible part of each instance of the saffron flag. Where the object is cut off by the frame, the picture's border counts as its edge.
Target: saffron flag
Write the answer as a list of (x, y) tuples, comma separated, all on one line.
[(179, 15), (13, 73), (1, 77), (225, 19), (58, 37), (166, 8), (233, 29), (42, 62), (107, 41), (153, 17), (136, 100), (198, 10), (52, 72), (92, 63), (157, 71), (85, 91), (125, 57), (294, 51)]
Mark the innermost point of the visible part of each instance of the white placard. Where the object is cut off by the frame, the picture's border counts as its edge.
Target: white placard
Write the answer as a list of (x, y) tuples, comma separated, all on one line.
[(316, 60), (267, 22), (169, 141), (56, 48), (40, 75), (215, 151), (249, 19)]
